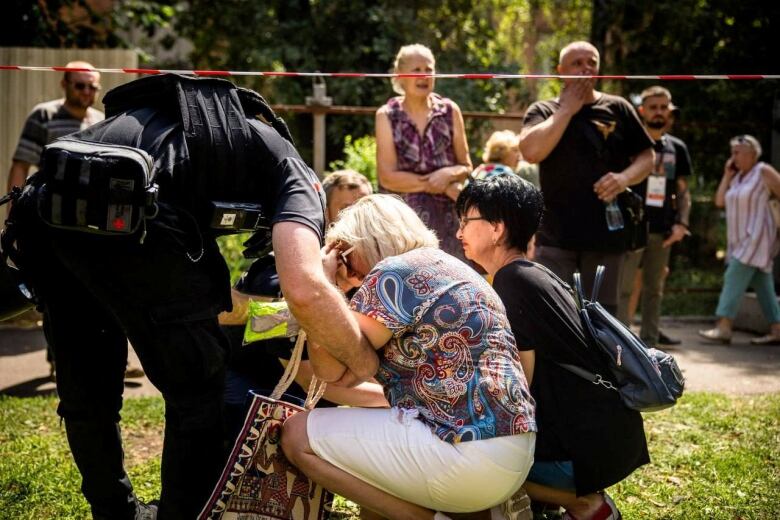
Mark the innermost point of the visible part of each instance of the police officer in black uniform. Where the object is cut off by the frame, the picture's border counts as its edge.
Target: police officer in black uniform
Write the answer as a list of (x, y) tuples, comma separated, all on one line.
[(162, 287)]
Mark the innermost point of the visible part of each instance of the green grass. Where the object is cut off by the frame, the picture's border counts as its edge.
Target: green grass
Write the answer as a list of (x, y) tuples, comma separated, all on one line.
[(714, 457), (38, 479)]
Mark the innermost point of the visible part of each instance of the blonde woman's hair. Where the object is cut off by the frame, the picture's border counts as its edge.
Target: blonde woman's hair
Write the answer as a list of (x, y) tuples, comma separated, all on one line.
[(498, 146), (415, 49), (380, 226), (748, 140)]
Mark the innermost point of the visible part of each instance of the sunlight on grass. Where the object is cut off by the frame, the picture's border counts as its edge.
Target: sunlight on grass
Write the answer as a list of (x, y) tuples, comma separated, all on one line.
[(714, 457)]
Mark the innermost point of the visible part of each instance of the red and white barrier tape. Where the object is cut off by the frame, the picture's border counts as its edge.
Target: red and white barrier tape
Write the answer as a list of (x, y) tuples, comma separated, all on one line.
[(225, 73)]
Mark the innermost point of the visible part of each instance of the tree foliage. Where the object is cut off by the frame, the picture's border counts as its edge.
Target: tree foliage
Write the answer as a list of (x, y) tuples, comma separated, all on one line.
[(359, 155), (353, 35), (639, 37), (698, 37), (80, 24)]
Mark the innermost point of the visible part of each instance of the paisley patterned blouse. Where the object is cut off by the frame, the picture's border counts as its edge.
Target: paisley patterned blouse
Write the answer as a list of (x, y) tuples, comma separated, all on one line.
[(452, 357), (425, 153)]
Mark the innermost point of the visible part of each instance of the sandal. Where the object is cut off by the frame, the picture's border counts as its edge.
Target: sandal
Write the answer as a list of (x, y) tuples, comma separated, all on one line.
[(516, 507), (717, 335), (769, 339)]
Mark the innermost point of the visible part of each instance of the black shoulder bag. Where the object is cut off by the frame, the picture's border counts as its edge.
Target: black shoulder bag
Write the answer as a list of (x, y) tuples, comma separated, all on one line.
[(647, 379), (100, 188)]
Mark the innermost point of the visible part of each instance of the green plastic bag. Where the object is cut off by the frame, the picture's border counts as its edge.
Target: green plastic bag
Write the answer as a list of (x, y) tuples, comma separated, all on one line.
[(268, 320)]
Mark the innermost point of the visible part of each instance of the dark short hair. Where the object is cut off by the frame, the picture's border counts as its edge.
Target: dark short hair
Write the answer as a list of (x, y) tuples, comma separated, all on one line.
[(508, 199)]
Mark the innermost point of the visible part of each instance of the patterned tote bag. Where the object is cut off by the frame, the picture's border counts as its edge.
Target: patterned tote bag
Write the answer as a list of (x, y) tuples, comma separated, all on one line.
[(258, 483)]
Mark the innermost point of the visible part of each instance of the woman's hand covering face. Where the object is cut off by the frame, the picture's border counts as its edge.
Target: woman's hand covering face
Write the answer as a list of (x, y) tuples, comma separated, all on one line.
[(336, 270)]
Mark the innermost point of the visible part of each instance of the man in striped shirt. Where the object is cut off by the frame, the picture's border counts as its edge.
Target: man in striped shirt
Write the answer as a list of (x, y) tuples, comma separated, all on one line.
[(53, 119)]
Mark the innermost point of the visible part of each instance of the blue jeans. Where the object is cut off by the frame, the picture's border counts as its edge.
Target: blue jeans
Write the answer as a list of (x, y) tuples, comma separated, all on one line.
[(736, 280), (554, 474)]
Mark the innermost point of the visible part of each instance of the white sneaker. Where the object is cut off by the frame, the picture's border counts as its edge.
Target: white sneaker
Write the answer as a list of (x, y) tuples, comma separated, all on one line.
[(517, 507)]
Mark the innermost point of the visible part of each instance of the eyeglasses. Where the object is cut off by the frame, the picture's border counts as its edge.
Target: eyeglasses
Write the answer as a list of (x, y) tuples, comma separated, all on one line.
[(465, 220), (79, 85), (343, 256)]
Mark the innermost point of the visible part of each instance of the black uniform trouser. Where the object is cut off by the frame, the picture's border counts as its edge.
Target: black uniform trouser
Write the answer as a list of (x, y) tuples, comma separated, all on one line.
[(97, 293)]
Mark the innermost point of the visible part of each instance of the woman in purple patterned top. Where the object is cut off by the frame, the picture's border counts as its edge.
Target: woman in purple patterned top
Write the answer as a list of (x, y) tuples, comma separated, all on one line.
[(459, 435), (421, 149)]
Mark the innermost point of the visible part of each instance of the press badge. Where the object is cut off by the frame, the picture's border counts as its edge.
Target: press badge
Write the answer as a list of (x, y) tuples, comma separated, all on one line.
[(656, 191)]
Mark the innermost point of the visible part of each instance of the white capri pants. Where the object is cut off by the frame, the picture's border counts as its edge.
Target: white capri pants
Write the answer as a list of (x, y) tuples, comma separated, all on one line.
[(394, 451)]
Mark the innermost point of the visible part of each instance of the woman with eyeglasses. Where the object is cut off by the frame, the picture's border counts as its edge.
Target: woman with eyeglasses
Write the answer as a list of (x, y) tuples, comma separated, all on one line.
[(587, 439), (744, 190), (459, 435), (421, 148)]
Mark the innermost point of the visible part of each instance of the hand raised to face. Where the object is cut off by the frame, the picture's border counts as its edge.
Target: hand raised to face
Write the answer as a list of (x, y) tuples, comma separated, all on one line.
[(575, 93), (337, 267)]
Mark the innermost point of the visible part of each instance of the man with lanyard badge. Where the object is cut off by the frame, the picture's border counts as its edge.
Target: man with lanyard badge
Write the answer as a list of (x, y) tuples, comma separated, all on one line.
[(668, 204)]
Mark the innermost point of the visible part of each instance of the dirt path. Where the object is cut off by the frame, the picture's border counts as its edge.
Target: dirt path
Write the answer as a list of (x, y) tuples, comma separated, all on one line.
[(736, 369)]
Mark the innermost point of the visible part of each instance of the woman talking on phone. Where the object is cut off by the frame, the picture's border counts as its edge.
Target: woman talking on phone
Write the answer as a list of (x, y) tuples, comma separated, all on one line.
[(744, 190)]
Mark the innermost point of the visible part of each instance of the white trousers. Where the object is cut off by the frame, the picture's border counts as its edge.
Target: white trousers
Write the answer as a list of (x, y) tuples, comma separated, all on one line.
[(394, 451)]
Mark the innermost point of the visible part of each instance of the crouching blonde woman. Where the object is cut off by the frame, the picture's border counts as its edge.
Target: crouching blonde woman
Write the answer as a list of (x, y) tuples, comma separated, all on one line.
[(459, 436)]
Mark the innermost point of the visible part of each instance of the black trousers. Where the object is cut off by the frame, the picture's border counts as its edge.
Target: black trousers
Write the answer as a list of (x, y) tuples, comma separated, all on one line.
[(97, 293)]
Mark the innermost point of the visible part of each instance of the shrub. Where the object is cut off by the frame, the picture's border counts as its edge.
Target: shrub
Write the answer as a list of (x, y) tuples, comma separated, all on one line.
[(359, 155)]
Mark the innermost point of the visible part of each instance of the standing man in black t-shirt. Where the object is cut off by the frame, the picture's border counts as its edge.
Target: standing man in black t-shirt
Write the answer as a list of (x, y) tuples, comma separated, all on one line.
[(667, 207), (590, 147)]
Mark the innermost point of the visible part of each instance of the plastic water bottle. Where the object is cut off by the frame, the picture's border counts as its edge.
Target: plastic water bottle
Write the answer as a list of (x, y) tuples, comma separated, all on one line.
[(614, 216)]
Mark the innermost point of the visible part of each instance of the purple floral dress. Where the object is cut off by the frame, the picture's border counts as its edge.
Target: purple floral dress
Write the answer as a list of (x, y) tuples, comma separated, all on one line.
[(424, 154)]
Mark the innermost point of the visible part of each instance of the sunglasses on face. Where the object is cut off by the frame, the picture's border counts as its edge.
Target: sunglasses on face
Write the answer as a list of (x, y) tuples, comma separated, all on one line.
[(79, 85), (343, 256)]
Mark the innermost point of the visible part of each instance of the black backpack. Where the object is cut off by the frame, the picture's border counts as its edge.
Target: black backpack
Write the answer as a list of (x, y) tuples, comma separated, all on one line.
[(647, 379), (111, 189)]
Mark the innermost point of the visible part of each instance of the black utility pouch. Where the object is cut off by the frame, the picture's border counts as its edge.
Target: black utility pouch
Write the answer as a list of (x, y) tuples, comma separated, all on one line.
[(97, 188)]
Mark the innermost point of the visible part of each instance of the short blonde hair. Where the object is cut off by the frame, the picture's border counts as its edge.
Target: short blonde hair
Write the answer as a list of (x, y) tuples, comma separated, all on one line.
[(748, 140), (380, 226), (498, 146), (415, 49)]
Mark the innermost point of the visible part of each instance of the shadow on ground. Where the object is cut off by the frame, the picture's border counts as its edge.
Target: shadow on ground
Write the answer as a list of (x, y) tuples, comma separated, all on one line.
[(24, 371), (40, 386), (14, 342)]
